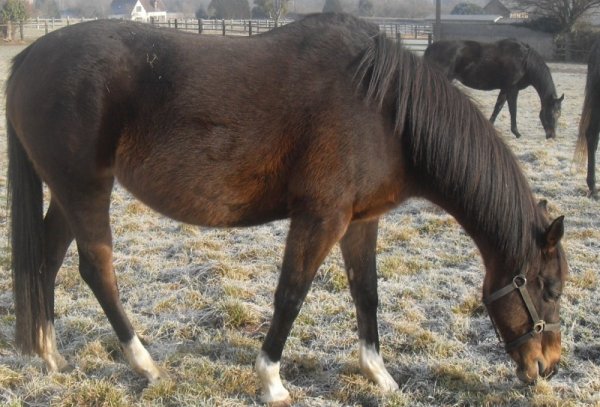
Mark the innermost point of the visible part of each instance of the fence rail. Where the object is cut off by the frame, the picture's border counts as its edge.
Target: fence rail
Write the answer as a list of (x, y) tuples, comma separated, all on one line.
[(414, 36)]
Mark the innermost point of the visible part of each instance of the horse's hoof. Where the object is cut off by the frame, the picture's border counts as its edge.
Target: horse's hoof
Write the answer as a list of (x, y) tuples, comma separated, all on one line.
[(281, 403), (162, 377), (593, 194), (67, 368)]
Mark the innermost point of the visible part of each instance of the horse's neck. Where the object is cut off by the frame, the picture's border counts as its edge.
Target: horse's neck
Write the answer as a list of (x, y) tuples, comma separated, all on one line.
[(541, 80)]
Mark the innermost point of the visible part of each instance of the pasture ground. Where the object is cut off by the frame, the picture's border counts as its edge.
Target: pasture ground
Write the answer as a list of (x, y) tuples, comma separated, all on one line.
[(202, 300)]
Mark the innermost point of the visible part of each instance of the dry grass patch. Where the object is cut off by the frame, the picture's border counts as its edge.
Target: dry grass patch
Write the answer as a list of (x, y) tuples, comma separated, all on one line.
[(457, 377), (419, 340), (10, 378), (94, 393), (397, 265), (470, 307), (237, 314), (587, 279), (333, 277), (437, 225)]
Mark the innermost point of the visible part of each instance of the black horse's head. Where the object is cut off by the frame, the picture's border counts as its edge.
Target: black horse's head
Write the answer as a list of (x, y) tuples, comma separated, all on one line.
[(549, 115)]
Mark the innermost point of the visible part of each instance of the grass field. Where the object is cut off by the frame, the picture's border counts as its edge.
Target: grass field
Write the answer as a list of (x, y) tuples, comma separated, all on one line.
[(202, 300)]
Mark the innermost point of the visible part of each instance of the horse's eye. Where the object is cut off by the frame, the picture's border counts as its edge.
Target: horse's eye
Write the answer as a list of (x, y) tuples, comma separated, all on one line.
[(551, 289), (550, 295)]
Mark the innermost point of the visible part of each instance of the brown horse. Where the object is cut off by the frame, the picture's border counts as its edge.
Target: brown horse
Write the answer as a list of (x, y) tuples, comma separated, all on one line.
[(508, 65), (323, 121), (589, 125)]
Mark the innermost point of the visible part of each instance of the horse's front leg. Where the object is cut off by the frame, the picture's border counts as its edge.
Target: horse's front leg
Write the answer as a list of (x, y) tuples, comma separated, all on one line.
[(512, 108), (358, 249), (309, 240), (499, 105)]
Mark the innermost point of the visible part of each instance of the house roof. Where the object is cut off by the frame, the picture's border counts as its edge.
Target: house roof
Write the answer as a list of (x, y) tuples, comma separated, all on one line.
[(473, 18), (125, 7), (153, 5), (496, 7)]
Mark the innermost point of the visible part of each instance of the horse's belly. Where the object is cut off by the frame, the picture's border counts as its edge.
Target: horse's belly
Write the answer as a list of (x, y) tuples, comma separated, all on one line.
[(198, 195)]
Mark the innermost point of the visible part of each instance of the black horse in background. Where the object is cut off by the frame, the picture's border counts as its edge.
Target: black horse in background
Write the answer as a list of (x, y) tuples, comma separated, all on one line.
[(508, 65), (589, 125)]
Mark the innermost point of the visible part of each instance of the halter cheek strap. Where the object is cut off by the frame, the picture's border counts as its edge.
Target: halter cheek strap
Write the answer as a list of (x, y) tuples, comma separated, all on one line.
[(539, 325)]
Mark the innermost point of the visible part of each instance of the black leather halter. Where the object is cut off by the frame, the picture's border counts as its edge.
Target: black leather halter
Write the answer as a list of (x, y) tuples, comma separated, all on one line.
[(539, 325)]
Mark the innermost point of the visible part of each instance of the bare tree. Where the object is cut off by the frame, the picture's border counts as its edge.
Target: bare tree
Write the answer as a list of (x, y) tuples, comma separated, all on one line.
[(564, 12)]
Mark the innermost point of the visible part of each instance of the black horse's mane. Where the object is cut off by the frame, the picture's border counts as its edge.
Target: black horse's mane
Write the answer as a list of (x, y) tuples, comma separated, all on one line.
[(456, 150)]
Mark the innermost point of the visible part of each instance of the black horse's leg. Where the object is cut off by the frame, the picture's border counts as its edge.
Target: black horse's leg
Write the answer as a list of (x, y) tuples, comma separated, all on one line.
[(512, 108), (591, 136), (499, 105), (89, 215), (57, 238), (309, 240), (358, 249)]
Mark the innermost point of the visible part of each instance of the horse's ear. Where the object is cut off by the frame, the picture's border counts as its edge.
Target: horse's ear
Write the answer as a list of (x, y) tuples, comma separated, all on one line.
[(554, 233), (543, 205), (560, 99)]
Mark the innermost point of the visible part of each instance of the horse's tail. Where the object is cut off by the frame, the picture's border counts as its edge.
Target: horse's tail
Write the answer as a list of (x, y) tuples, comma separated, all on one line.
[(584, 124), (25, 198)]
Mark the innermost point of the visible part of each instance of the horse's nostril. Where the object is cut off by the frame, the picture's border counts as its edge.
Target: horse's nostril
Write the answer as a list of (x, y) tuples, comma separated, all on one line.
[(551, 372), (541, 367)]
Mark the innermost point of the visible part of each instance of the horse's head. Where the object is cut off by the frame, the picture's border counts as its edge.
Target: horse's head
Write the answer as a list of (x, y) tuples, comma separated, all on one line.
[(550, 114), (524, 304)]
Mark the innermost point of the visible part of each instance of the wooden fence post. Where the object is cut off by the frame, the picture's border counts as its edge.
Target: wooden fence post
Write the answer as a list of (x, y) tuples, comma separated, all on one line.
[(200, 26), (45, 27), (429, 38), (223, 25), (176, 24), (399, 37), (68, 22), (21, 29), (250, 28)]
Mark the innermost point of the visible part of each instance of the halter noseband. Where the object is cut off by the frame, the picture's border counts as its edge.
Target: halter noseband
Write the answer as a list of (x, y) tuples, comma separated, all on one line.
[(539, 325)]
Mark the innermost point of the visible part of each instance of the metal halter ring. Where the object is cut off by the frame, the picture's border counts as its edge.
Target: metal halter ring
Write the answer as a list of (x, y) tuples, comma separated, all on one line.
[(539, 326), (519, 280)]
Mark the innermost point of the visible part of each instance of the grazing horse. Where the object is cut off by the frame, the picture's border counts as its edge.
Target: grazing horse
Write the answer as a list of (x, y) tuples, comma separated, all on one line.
[(589, 124), (323, 121), (508, 65)]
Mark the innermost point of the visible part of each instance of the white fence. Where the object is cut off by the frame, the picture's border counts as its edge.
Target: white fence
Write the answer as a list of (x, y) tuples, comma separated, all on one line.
[(415, 36)]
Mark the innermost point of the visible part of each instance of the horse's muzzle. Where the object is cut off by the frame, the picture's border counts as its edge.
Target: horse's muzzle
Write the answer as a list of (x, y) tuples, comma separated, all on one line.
[(530, 374)]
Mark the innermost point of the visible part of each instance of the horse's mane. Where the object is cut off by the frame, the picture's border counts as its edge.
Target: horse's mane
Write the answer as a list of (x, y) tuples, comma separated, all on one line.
[(539, 73), (452, 147)]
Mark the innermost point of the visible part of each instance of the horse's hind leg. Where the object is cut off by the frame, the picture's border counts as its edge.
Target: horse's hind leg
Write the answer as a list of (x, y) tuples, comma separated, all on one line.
[(89, 210), (57, 238), (512, 108), (499, 105), (309, 240), (358, 249)]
